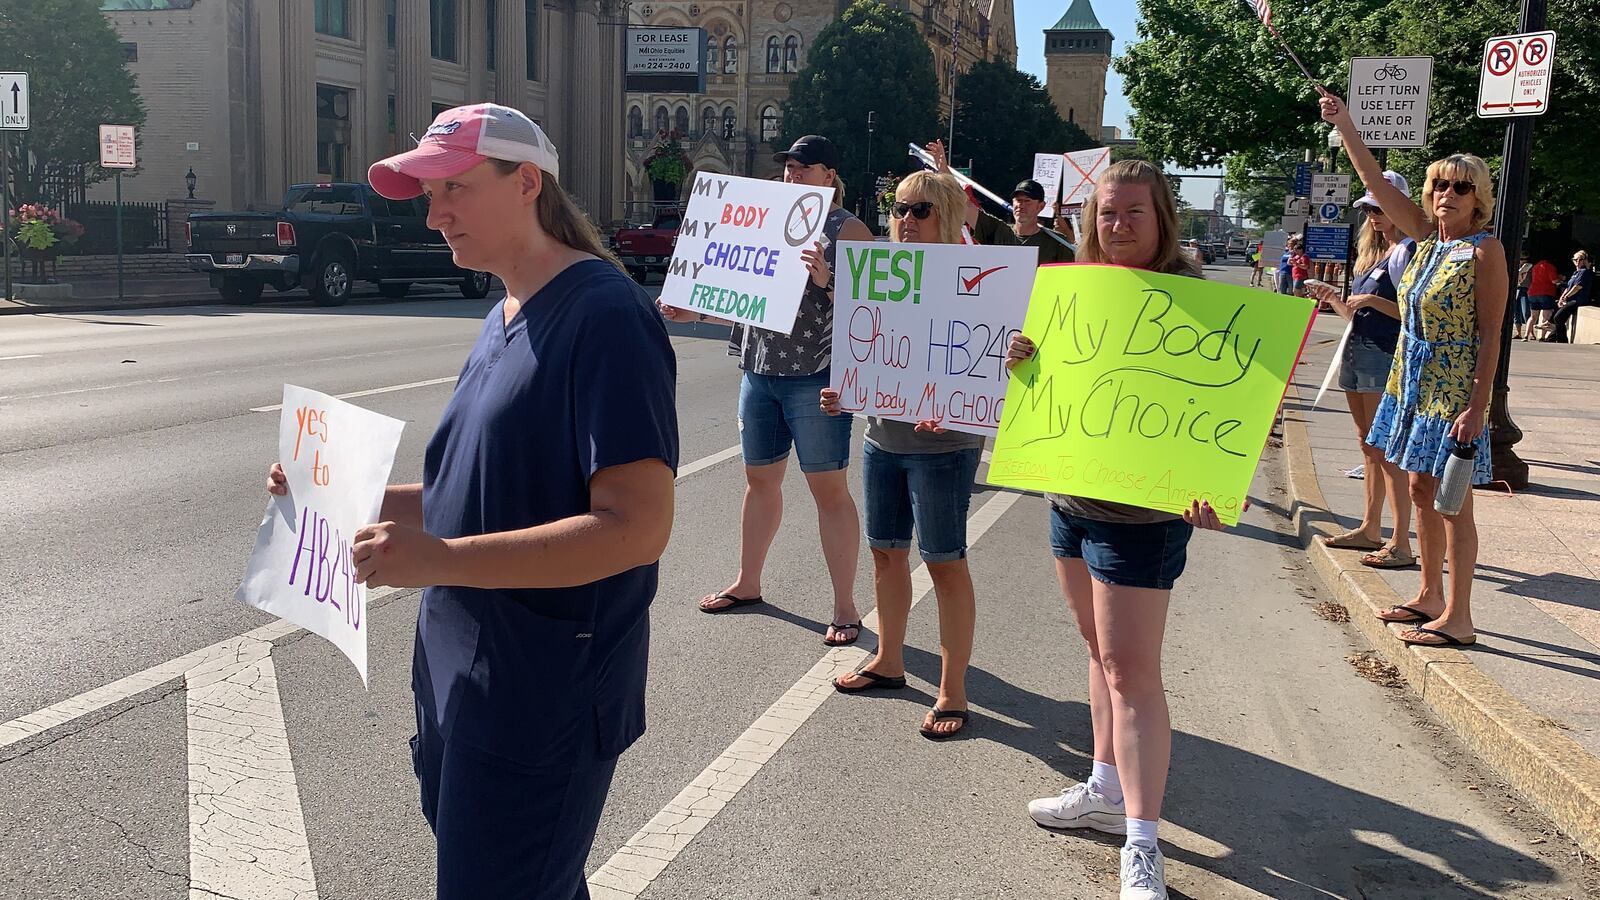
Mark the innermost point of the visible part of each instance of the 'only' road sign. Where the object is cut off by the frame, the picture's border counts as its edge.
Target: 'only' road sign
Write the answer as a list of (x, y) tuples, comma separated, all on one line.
[(1515, 78), (13, 101)]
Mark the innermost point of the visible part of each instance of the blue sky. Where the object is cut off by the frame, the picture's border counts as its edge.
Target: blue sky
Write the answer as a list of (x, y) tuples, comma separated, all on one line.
[(1118, 16)]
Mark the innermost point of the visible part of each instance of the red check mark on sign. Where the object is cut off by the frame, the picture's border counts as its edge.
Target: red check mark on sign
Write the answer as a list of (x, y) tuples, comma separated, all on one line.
[(971, 284)]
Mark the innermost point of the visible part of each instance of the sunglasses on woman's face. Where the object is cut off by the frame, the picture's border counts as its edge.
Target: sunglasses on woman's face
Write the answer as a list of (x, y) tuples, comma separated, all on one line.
[(921, 210), (1462, 188)]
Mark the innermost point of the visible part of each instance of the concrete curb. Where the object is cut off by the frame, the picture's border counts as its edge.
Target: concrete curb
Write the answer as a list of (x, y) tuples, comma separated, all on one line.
[(13, 308), (1560, 777)]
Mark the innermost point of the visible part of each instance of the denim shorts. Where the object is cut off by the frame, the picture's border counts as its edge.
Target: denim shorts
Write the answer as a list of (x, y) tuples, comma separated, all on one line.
[(1365, 366), (1141, 556), (1541, 302), (932, 491), (777, 412)]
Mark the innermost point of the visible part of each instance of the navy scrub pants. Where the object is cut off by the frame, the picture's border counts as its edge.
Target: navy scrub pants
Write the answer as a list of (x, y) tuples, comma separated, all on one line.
[(507, 829)]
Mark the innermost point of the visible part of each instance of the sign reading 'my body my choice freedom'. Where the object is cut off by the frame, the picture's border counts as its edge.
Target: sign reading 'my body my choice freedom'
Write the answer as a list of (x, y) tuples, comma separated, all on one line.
[(920, 330), (1150, 390), (738, 252), (337, 458)]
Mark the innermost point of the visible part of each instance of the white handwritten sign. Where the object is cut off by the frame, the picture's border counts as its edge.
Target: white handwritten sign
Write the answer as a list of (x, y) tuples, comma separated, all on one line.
[(337, 458), (1047, 171), (738, 252), (920, 330)]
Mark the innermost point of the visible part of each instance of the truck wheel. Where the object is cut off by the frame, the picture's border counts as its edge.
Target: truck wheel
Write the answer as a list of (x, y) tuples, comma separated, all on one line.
[(331, 280), (640, 276), (394, 290), (240, 290), (476, 285)]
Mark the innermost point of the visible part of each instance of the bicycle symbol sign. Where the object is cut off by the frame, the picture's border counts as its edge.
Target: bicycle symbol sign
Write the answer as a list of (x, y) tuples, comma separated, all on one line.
[(1388, 72), (1502, 58)]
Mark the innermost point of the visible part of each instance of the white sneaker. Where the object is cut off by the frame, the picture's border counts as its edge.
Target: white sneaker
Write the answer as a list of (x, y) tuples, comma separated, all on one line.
[(1080, 807), (1144, 874)]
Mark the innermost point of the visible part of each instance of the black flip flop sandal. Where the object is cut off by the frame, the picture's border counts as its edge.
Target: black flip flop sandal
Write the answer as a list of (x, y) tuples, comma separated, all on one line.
[(944, 715), (735, 604), (1413, 613), (1445, 640), (875, 682), (837, 628)]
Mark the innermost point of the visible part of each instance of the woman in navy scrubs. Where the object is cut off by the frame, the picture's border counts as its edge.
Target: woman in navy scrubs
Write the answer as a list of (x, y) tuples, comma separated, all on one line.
[(546, 501)]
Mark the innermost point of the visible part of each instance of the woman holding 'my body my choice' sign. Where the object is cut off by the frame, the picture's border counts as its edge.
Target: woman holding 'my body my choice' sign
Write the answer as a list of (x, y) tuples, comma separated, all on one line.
[(778, 413), (1117, 565)]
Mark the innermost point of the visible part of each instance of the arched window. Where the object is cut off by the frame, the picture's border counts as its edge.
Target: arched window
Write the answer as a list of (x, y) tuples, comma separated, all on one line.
[(730, 56), (663, 120), (769, 123), (635, 122), (729, 122), (713, 55), (791, 54), (708, 121), (680, 120), (774, 54)]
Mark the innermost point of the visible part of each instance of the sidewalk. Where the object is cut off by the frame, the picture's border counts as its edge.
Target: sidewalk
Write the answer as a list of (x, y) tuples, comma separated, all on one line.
[(99, 293), (1527, 696)]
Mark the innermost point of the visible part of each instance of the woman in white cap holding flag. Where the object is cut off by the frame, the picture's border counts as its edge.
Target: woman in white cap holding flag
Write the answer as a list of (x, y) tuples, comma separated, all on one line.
[(546, 501)]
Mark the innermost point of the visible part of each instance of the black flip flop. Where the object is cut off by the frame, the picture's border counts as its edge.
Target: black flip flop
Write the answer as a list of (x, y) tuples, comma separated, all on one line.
[(942, 715), (875, 682), (1449, 640), (1415, 615), (837, 627), (735, 604)]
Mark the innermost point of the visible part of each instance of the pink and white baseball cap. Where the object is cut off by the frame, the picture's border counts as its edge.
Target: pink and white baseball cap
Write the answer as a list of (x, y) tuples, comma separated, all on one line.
[(460, 139)]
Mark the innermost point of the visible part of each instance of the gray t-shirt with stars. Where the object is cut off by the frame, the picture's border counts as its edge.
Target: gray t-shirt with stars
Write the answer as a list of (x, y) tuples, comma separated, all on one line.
[(809, 349)]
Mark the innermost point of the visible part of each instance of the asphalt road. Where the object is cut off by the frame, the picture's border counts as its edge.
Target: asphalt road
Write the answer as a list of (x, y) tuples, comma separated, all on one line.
[(131, 462)]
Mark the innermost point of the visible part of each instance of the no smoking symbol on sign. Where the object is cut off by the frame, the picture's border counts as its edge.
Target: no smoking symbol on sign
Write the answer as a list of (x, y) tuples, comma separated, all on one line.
[(1502, 58), (1534, 52), (804, 216)]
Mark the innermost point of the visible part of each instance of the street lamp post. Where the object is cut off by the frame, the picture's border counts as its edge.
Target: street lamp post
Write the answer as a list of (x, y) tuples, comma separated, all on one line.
[(1511, 213)]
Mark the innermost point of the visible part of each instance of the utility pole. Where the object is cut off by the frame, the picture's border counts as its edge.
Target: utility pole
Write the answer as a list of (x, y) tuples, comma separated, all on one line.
[(1511, 215)]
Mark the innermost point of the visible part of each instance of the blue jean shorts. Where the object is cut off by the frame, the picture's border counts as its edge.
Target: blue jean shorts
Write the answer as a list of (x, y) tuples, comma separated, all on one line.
[(1541, 302), (780, 412), (932, 491), (1365, 366), (1125, 555)]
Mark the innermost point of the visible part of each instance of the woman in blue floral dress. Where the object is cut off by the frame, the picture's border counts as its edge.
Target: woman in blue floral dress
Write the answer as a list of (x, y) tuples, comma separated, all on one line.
[(1452, 302)]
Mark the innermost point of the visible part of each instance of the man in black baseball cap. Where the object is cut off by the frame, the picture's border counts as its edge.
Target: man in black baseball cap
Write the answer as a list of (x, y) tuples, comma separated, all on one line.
[(811, 150), (1027, 202)]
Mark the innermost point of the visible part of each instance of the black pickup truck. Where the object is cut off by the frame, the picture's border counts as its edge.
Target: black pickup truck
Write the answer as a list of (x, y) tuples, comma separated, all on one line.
[(325, 239)]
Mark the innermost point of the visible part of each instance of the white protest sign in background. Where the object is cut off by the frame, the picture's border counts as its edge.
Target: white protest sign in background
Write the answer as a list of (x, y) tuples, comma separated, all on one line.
[(1082, 169), (1389, 99), (738, 252), (1047, 171), (337, 458), (920, 330)]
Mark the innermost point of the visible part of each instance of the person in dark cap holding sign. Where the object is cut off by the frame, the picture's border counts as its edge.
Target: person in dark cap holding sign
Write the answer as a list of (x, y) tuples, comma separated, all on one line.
[(1027, 202)]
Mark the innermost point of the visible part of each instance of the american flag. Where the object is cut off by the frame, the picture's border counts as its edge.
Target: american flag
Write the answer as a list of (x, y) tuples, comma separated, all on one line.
[(1263, 10)]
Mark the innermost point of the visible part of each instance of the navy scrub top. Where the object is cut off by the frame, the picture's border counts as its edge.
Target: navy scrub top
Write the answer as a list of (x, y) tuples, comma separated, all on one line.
[(583, 378)]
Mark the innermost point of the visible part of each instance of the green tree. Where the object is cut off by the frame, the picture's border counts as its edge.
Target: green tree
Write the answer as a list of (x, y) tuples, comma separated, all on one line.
[(1209, 83), (77, 83), (1004, 117), (872, 58)]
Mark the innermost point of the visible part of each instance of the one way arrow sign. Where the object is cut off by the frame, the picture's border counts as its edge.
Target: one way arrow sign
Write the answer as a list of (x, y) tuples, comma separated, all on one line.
[(14, 101)]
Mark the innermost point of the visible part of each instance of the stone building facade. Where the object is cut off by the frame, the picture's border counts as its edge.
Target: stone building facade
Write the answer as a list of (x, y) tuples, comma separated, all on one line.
[(255, 95), (1077, 55), (755, 48)]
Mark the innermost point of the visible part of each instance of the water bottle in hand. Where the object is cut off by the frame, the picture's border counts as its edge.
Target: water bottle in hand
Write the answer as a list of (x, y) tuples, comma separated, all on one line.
[(1457, 480)]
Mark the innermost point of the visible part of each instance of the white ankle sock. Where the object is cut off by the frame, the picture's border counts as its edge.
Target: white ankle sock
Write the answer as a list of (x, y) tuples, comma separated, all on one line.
[(1103, 780), (1142, 832)]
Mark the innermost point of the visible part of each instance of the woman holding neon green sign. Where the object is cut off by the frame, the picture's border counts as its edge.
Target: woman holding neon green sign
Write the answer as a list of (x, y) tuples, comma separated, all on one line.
[(1117, 565)]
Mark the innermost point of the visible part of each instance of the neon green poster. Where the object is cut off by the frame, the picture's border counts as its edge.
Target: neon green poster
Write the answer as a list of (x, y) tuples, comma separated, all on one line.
[(1151, 390)]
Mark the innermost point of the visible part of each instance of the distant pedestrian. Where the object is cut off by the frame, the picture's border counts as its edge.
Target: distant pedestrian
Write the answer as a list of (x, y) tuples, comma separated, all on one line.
[(1299, 269), (1579, 293), (1285, 279), (1452, 312), (1524, 279), (1544, 286), (1117, 565)]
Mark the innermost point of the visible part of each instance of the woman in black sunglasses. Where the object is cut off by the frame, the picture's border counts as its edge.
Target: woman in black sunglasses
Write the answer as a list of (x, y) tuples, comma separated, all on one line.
[(1452, 301)]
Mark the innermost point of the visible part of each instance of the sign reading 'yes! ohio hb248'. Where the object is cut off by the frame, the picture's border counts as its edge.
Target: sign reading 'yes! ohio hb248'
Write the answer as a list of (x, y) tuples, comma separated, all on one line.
[(1150, 390), (738, 252), (920, 330)]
